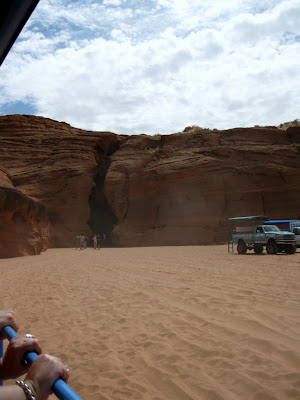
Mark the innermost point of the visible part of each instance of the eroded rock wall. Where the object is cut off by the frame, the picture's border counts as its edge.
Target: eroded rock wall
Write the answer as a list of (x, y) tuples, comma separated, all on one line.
[(23, 222), (181, 189), (175, 189), (55, 165)]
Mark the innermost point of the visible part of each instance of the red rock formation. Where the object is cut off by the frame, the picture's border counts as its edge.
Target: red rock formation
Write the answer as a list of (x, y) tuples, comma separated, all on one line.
[(54, 164), (23, 222), (175, 189), (5, 181), (181, 188)]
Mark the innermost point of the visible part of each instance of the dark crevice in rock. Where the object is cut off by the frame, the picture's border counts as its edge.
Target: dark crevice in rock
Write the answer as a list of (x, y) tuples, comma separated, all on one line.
[(282, 177), (102, 219)]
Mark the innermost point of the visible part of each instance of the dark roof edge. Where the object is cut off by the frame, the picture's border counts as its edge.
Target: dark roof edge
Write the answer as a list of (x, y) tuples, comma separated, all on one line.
[(13, 16)]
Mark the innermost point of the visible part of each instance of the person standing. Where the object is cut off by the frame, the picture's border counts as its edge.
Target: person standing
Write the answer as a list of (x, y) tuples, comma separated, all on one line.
[(103, 239), (85, 241), (81, 241), (76, 240), (98, 241), (95, 241)]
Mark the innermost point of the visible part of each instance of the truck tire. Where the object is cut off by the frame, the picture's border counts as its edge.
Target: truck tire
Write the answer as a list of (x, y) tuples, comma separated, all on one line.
[(272, 248), (241, 247), (290, 249), (258, 248)]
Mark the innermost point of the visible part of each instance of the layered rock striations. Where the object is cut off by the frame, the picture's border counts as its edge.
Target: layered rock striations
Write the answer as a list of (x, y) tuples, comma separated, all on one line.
[(55, 164), (181, 188), (144, 190), (23, 222)]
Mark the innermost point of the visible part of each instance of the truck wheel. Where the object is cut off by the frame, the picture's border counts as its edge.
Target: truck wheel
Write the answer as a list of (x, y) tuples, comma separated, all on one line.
[(290, 249), (258, 248), (272, 248), (241, 247)]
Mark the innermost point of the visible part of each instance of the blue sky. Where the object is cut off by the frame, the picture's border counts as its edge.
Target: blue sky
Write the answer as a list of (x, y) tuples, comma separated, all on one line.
[(156, 66)]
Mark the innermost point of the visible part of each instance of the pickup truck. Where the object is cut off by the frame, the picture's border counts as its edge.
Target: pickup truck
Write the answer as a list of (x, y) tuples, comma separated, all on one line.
[(291, 225), (257, 237)]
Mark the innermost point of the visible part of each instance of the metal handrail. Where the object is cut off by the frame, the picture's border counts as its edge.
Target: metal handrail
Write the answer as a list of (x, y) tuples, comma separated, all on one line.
[(1, 355), (61, 390)]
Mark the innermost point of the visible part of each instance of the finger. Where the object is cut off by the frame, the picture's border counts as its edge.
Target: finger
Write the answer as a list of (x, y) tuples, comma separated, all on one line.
[(11, 320), (62, 369), (65, 374), (24, 345), (31, 345)]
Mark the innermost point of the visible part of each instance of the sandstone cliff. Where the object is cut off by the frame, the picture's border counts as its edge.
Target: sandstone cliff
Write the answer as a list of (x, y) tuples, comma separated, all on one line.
[(144, 190), (23, 222), (181, 188), (55, 164)]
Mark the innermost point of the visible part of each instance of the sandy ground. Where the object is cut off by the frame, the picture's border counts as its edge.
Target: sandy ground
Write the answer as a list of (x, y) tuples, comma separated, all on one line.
[(161, 323)]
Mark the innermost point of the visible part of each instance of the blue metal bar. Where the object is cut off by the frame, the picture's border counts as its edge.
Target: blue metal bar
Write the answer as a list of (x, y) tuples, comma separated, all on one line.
[(61, 390), (1, 355), (279, 221)]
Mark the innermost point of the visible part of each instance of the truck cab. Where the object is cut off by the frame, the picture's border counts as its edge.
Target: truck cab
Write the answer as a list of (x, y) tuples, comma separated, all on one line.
[(291, 225)]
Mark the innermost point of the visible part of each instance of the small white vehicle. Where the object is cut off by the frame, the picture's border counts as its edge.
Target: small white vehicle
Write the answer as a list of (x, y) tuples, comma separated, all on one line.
[(296, 232)]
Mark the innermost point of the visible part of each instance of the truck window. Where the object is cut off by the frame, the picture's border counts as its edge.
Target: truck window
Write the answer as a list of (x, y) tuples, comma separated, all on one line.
[(271, 228)]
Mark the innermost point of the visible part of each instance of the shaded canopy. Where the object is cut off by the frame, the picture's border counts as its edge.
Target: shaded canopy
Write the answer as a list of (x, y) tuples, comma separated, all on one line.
[(251, 218)]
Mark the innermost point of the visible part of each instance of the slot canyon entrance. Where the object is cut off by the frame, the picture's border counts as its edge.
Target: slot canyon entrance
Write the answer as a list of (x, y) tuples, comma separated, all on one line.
[(102, 219)]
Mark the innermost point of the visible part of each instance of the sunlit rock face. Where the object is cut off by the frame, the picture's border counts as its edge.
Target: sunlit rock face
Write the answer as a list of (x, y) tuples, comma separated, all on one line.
[(56, 165), (144, 190), (181, 189), (23, 222)]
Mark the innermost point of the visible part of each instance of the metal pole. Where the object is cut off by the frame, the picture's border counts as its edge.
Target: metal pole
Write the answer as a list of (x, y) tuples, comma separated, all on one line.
[(61, 390), (1, 355)]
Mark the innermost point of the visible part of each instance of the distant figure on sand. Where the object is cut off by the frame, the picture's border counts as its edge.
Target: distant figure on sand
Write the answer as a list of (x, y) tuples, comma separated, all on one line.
[(99, 241), (95, 241), (103, 239), (76, 241), (81, 241)]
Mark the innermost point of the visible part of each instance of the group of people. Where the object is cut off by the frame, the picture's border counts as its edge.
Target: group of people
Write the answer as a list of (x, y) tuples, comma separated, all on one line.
[(98, 240), (40, 376), (82, 241)]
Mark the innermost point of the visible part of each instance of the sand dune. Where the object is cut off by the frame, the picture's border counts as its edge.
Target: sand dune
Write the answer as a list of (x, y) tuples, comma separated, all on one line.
[(180, 323)]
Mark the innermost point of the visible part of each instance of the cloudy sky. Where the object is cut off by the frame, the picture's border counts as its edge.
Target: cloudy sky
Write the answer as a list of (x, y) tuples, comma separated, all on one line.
[(156, 66)]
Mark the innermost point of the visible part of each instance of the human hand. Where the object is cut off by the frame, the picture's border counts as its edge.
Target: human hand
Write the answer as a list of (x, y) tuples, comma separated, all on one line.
[(12, 364), (7, 318), (43, 373)]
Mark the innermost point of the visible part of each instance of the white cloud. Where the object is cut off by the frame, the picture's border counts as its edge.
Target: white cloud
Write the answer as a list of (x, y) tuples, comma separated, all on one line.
[(111, 2), (254, 28), (160, 66)]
